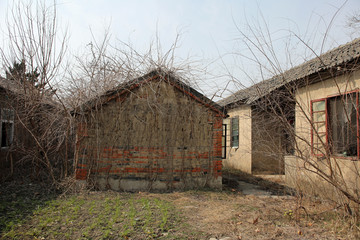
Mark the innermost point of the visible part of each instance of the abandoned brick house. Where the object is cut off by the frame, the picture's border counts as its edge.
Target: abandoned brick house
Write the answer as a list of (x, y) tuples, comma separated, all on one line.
[(151, 133), (319, 101)]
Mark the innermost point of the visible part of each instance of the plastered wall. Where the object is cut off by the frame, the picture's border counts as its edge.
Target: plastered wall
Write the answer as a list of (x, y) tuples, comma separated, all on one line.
[(346, 170), (240, 157)]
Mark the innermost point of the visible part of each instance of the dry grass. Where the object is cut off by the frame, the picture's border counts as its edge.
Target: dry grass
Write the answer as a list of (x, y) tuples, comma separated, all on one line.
[(178, 215), (256, 217)]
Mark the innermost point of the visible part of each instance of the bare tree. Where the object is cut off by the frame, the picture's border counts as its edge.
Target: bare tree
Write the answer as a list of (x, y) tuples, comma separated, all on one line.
[(320, 168), (107, 63), (353, 23), (33, 61), (108, 66)]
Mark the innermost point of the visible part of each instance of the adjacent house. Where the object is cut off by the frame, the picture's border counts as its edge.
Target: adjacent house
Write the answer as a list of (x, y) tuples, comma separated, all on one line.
[(7, 125), (28, 131), (304, 122), (151, 133), (258, 130), (327, 123)]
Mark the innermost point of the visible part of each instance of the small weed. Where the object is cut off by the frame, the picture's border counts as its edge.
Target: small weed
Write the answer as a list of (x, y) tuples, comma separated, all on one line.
[(92, 207), (289, 214), (112, 217)]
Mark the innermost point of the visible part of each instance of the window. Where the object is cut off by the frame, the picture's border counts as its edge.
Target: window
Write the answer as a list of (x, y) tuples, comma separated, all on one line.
[(7, 127), (336, 125), (223, 139), (235, 132), (319, 131), (343, 122)]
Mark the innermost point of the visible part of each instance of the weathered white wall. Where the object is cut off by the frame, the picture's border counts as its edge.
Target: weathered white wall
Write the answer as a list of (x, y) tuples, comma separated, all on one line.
[(240, 158), (347, 170)]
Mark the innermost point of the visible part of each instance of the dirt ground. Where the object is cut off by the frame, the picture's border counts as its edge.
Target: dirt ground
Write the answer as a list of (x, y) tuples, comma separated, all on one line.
[(236, 216)]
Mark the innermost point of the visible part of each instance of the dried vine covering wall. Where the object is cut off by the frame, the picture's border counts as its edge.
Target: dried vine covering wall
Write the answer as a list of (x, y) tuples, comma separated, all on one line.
[(154, 137)]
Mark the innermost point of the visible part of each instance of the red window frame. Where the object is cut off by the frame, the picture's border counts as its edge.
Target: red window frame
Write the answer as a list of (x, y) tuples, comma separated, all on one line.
[(327, 124), (313, 125)]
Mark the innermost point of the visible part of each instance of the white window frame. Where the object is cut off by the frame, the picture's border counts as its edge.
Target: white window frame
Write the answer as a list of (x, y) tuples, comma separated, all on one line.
[(7, 112)]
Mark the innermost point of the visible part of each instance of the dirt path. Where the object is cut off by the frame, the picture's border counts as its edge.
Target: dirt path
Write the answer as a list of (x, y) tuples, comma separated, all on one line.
[(236, 216), (254, 208)]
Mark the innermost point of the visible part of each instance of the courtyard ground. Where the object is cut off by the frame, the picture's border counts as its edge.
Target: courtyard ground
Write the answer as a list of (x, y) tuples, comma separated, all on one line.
[(30, 211)]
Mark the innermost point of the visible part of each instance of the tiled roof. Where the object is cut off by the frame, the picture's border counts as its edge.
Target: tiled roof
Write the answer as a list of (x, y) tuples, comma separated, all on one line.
[(8, 85), (338, 56), (17, 89)]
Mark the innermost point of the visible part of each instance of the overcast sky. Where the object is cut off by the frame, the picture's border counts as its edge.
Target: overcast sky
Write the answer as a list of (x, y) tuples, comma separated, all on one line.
[(207, 26)]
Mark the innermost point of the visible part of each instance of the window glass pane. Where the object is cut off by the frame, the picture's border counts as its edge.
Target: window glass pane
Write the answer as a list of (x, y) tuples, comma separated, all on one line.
[(6, 133), (235, 132), (318, 106), (343, 125), (319, 143), (319, 117), (320, 127), (320, 138), (223, 141), (319, 131)]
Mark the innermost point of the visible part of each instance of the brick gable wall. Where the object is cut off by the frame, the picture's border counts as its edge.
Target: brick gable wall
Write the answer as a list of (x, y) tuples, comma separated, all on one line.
[(154, 138)]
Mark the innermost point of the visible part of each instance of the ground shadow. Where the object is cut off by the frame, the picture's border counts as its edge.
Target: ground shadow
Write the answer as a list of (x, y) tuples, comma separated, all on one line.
[(231, 178), (19, 199)]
